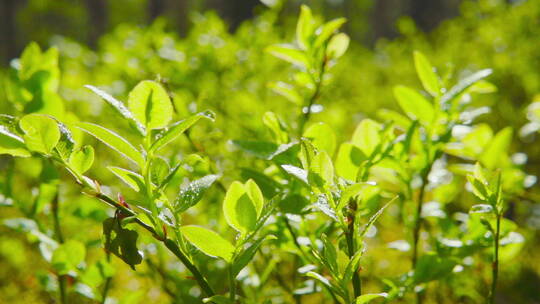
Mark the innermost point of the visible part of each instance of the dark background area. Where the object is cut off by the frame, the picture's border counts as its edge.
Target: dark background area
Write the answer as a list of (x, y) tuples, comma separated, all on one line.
[(85, 21)]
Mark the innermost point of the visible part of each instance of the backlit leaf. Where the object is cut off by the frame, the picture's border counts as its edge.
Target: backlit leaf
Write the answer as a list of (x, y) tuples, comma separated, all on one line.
[(150, 104), (209, 242)]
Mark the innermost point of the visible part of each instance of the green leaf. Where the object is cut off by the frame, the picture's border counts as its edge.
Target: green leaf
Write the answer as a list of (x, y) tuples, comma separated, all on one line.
[(159, 169), (218, 299), (374, 217), (65, 145), (114, 141), (132, 179), (338, 45), (242, 206), (81, 161), (414, 105), (255, 195), (299, 173), (121, 242), (12, 144), (41, 133), (496, 152), (432, 267), (247, 254), (464, 84), (322, 170), (192, 194), (269, 187), (260, 149), (150, 104), (305, 27), (288, 91), (330, 254), (366, 298), (274, 124), (351, 267), (367, 136), (119, 107), (178, 128), (481, 208), (348, 161), (327, 30), (427, 75), (479, 189), (352, 191), (209, 242), (289, 54), (68, 256), (322, 137)]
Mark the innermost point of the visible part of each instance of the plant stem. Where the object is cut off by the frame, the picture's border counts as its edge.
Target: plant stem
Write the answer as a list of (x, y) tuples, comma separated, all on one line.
[(105, 290), (418, 224), (304, 117), (357, 284), (294, 237), (60, 239), (232, 285), (171, 245), (495, 265)]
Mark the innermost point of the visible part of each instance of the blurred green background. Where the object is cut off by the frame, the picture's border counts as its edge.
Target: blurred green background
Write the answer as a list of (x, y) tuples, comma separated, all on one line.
[(210, 53)]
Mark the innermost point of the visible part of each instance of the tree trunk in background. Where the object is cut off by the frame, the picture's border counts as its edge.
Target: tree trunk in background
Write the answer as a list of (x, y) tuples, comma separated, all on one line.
[(97, 20), (156, 8), (234, 11), (8, 30), (180, 15), (427, 14)]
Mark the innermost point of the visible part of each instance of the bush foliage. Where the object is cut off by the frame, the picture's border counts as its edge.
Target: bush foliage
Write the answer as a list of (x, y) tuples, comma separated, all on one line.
[(275, 164)]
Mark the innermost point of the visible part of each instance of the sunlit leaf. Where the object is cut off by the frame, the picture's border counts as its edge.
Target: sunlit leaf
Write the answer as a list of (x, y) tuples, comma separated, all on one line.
[(150, 104), (209, 242)]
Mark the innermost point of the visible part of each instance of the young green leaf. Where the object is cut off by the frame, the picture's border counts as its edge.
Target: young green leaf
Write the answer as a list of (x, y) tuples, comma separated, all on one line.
[(337, 46), (192, 194), (65, 145), (327, 30), (241, 206), (218, 299), (150, 104), (247, 254), (132, 179), (414, 105), (12, 144), (41, 133), (288, 91), (348, 161), (305, 27), (374, 217), (427, 75), (209, 242), (367, 136), (464, 84), (289, 54), (68, 256), (114, 141), (159, 169), (322, 170), (119, 107), (80, 161), (322, 137), (178, 128), (274, 124), (496, 151), (366, 298)]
